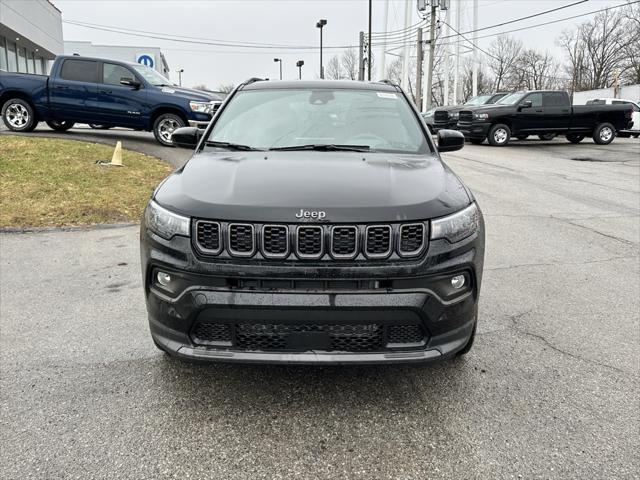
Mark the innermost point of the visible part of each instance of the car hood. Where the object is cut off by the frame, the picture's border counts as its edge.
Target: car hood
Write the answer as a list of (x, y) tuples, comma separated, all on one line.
[(190, 94), (486, 108), (348, 186)]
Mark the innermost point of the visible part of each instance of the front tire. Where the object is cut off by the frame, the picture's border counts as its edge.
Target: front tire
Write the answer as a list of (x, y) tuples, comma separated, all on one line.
[(60, 126), (575, 138), (18, 115), (164, 127), (499, 135), (604, 134)]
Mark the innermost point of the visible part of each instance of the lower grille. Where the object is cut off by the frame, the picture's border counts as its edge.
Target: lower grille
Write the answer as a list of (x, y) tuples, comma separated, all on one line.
[(366, 337)]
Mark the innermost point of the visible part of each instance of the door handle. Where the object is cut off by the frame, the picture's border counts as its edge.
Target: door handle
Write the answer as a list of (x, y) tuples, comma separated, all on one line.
[(108, 92), (62, 87), (539, 111)]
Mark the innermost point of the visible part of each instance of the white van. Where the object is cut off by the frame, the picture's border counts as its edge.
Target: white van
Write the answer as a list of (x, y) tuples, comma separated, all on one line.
[(635, 128)]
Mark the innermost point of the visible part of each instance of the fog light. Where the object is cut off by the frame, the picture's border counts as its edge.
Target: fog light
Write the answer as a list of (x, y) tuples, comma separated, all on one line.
[(163, 278), (457, 282)]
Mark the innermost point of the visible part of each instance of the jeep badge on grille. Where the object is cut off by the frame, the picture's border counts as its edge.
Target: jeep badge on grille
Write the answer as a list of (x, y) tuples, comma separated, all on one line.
[(315, 214)]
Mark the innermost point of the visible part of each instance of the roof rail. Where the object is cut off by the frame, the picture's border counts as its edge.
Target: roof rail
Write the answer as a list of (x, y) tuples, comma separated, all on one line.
[(250, 81), (389, 82)]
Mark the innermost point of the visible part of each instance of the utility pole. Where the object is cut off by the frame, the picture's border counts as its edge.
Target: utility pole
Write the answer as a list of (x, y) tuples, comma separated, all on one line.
[(475, 48), (419, 59), (432, 52), (383, 50), (361, 58), (370, 49), (457, 61), (279, 60), (406, 50)]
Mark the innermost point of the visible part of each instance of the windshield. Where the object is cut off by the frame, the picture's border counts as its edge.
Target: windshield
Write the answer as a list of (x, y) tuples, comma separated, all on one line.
[(279, 118), (511, 99), (151, 76), (479, 100)]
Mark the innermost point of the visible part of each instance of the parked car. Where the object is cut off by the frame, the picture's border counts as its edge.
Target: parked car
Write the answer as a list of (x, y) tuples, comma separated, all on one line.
[(447, 117), (103, 93), (543, 112), (315, 223), (633, 130)]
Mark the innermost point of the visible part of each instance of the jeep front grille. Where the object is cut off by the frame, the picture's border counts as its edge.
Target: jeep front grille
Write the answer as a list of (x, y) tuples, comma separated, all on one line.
[(209, 236), (242, 241), (378, 241), (411, 239), (344, 242), (310, 242), (275, 241)]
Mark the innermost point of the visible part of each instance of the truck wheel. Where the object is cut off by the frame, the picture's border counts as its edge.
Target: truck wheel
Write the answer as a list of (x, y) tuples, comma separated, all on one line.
[(575, 138), (60, 126), (499, 135), (476, 141), (18, 115), (522, 137), (604, 134), (547, 136), (164, 126)]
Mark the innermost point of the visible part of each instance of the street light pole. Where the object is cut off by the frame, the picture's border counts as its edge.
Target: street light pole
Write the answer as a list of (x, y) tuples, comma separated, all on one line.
[(180, 76), (370, 51), (299, 64), (321, 23), (279, 60)]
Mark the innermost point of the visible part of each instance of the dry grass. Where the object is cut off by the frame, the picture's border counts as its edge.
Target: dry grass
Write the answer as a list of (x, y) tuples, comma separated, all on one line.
[(48, 182)]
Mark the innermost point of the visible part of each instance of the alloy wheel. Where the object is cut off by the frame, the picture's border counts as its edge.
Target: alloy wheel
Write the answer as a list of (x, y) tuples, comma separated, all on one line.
[(17, 115)]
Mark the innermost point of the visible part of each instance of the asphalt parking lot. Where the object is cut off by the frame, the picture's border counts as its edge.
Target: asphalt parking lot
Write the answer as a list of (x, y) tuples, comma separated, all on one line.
[(550, 389)]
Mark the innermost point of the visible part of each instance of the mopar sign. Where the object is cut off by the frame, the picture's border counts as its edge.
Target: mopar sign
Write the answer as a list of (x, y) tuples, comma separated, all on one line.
[(146, 59)]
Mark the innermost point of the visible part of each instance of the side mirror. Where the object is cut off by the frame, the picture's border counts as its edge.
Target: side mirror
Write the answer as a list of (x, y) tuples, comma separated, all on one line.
[(526, 104), (186, 137), (450, 140), (130, 82)]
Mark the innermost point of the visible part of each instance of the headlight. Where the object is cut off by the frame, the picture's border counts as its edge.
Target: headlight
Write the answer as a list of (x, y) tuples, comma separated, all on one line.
[(455, 116), (165, 223), (201, 107), (480, 116), (458, 226)]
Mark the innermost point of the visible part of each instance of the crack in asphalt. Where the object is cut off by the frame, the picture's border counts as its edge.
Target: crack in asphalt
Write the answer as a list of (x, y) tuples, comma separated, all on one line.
[(613, 237), (552, 264), (514, 327)]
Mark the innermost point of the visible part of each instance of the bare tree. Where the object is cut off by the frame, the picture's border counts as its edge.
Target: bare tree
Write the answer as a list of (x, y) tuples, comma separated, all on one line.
[(226, 87), (536, 71), (350, 63), (484, 83), (394, 70), (201, 86), (333, 70), (505, 52)]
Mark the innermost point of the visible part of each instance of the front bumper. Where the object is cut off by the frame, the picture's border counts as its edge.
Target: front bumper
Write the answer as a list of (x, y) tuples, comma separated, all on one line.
[(475, 130), (272, 314), (199, 123)]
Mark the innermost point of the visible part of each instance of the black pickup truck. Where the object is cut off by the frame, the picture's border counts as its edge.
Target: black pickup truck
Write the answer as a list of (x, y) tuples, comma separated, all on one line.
[(542, 112), (447, 117)]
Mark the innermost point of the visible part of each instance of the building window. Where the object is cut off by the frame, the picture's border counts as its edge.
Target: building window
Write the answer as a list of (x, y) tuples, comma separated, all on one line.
[(30, 66), (12, 59), (22, 59), (3, 53)]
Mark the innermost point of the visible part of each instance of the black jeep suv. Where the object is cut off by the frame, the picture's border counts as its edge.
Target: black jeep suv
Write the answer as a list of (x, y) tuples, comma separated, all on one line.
[(315, 223)]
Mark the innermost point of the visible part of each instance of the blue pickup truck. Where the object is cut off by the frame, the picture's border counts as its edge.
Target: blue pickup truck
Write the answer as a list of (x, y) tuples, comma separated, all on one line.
[(102, 92)]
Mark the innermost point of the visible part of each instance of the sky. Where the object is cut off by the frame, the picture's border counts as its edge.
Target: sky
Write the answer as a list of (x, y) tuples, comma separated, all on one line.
[(288, 23)]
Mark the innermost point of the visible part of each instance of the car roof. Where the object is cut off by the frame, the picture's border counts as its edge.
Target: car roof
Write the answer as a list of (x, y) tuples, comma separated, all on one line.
[(319, 84)]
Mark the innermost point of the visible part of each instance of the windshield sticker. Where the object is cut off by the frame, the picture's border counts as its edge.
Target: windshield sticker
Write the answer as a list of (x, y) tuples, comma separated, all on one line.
[(168, 90), (387, 95)]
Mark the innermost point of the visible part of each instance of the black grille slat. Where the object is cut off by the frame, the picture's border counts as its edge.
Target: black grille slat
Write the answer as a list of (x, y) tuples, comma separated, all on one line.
[(344, 242), (466, 116), (275, 240), (309, 242), (241, 239), (208, 236), (378, 242), (412, 239)]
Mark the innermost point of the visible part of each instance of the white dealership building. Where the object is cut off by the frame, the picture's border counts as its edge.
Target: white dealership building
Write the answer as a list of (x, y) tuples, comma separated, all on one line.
[(30, 35)]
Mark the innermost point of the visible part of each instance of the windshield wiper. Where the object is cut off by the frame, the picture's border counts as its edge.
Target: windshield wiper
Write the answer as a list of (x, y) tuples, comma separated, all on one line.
[(230, 146), (325, 147)]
